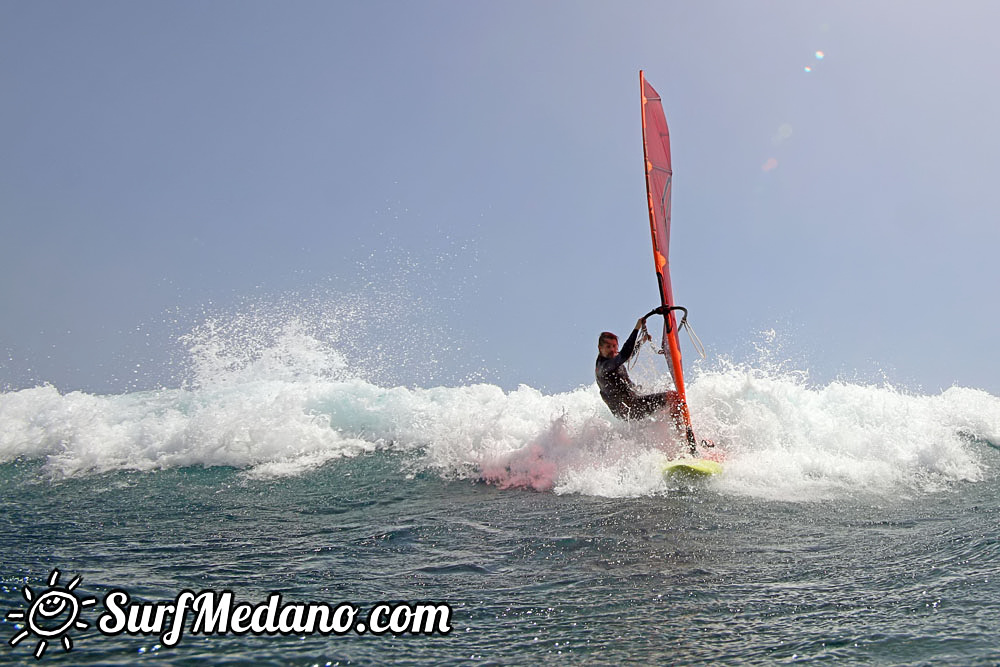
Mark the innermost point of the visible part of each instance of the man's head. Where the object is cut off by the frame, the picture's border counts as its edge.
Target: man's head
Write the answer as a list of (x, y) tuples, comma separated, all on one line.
[(607, 345)]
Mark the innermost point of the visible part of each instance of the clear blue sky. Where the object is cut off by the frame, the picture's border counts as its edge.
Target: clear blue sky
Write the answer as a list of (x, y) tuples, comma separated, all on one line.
[(175, 157)]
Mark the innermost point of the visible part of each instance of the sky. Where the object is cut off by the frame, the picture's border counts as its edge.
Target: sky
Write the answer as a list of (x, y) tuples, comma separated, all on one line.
[(478, 166)]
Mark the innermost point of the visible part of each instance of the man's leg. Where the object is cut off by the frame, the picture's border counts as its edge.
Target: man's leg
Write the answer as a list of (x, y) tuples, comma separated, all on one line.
[(647, 405)]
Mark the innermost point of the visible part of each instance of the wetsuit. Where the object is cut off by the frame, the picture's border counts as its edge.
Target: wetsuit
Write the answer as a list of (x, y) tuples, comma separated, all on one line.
[(618, 391)]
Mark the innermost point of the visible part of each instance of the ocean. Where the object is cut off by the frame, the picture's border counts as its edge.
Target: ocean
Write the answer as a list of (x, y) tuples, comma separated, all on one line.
[(853, 522)]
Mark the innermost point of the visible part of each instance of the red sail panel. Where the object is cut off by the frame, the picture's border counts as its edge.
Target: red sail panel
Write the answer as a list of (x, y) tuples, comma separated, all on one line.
[(656, 150)]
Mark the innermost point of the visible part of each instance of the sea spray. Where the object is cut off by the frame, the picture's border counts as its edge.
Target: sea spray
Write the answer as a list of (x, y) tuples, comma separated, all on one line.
[(791, 440), (277, 398)]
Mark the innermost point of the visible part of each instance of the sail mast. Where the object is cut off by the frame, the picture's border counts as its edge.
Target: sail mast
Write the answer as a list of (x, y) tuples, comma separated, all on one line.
[(659, 175)]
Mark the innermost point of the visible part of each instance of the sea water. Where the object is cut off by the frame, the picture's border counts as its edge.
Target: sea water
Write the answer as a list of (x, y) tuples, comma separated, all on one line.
[(853, 522)]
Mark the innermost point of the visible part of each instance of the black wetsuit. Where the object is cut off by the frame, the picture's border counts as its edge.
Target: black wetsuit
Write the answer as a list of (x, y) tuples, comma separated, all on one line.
[(618, 391)]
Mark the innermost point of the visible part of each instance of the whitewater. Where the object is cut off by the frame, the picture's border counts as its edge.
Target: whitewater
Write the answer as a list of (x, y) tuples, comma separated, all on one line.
[(295, 405), (853, 521)]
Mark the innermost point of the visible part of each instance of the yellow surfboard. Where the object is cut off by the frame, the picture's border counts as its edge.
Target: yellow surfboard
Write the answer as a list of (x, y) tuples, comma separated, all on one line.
[(692, 467)]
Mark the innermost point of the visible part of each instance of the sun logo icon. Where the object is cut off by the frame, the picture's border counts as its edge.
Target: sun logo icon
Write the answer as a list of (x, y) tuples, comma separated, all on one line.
[(51, 615)]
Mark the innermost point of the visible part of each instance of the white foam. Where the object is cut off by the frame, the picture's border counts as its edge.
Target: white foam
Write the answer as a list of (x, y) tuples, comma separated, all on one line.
[(288, 405), (789, 440)]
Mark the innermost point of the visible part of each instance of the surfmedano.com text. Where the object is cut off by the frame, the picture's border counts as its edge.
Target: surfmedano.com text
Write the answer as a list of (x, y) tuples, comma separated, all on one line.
[(217, 613)]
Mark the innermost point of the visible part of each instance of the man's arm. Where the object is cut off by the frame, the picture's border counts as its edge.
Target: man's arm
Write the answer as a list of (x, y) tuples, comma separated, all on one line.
[(629, 347)]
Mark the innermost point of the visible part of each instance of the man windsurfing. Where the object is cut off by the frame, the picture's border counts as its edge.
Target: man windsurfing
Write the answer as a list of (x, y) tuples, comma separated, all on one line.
[(617, 389)]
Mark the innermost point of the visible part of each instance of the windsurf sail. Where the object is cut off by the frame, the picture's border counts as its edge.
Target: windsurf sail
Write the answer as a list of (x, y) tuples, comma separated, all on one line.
[(656, 151)]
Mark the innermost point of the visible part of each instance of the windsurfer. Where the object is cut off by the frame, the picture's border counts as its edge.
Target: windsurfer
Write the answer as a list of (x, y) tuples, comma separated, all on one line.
[(617, 388)]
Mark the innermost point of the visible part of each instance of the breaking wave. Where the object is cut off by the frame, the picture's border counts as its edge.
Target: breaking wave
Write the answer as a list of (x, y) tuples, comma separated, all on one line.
[(281, 400)]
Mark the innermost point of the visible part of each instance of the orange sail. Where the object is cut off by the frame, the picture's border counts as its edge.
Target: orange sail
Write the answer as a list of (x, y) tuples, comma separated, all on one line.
[(656, 150)]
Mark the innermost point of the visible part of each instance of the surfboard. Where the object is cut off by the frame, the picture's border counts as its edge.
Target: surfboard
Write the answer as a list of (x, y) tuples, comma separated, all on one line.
[(692, 467)]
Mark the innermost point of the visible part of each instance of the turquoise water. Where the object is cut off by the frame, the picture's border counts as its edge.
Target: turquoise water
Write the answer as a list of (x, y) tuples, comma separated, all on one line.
[(853, 523), (690, 576)]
